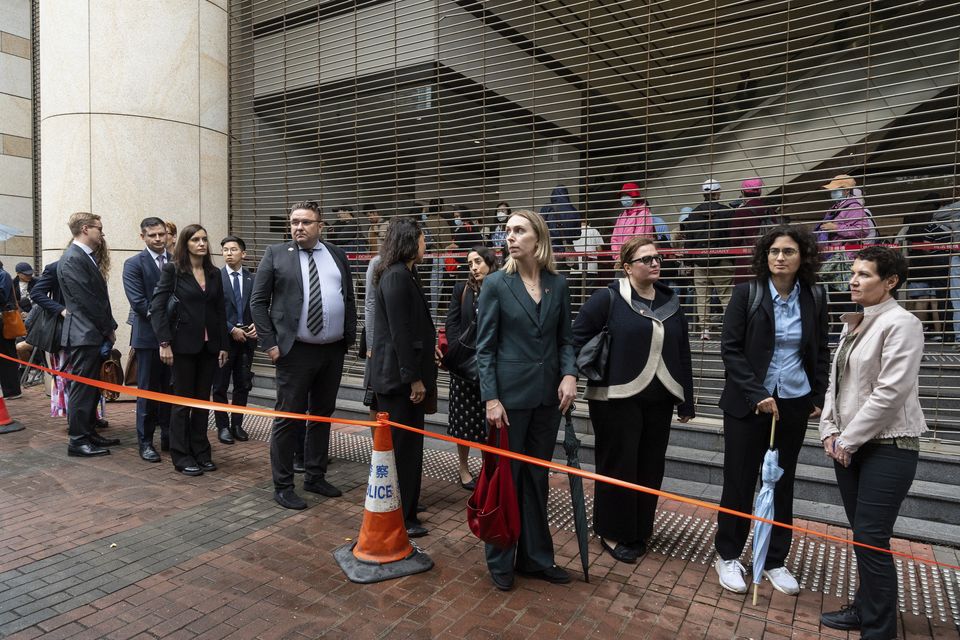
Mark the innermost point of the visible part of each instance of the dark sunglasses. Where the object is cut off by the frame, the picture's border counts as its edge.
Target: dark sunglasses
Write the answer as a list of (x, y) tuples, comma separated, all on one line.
[(648, 260)]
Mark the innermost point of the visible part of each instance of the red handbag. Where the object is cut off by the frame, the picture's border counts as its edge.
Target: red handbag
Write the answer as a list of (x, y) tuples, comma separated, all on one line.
[(492, 511)]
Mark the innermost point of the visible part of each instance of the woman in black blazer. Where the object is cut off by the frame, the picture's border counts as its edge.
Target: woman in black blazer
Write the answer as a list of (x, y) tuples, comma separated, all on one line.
[(194, 343), (404, 370), (649, 374), (776, 359), (528, 378)]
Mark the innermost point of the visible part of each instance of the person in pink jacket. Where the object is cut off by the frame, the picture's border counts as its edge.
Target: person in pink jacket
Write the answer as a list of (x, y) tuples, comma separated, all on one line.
[(635, 220)]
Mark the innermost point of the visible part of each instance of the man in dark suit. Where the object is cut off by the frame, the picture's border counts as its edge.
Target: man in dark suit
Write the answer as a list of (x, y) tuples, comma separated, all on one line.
[(141, 273), (306, 318), (237, 285), (88, 328)]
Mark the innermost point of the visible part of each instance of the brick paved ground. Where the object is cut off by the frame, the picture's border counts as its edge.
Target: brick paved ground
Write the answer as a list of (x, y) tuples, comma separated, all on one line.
[(114, 547)]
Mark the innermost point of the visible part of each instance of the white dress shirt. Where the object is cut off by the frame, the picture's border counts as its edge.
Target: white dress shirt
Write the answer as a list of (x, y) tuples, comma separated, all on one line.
[(331, 289)]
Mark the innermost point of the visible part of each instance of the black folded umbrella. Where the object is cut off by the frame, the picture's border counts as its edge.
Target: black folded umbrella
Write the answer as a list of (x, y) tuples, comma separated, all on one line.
[(571, 445)]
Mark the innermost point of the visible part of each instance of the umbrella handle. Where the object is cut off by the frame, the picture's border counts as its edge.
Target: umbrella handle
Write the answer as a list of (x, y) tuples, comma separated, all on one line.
[(773, 429)]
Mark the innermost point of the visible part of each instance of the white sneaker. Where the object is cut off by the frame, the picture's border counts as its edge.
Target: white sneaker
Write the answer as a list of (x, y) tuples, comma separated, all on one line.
[(731, 575), (782, 580)]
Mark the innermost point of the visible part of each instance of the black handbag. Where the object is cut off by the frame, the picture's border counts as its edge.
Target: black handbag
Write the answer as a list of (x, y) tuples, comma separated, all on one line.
[(173, 303), (593, 356), (461, 356), (45, 329)]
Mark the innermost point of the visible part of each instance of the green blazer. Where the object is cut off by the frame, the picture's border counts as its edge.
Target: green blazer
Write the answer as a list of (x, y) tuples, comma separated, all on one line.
[(522, 355)]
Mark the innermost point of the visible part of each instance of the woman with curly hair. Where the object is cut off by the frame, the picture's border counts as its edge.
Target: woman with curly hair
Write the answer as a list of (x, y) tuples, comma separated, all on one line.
[(776, 358)]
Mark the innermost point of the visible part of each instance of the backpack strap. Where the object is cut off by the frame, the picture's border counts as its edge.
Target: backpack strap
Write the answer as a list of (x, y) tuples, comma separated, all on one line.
[(754, 299), (613, 298)]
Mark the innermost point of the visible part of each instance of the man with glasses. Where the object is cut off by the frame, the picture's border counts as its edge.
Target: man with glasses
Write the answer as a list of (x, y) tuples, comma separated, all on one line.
[(141, 273), (305, 316), (88, 329)]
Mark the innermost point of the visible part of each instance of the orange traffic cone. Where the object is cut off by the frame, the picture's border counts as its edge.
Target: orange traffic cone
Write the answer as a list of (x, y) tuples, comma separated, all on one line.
[(382, 550), (7, 424)]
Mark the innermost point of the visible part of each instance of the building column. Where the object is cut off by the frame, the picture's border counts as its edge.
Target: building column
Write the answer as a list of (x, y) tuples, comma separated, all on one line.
[(16, 136), (133, 109)]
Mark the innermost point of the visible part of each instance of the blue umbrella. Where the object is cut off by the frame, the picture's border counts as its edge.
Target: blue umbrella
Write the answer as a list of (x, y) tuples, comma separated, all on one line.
[(763, 508)]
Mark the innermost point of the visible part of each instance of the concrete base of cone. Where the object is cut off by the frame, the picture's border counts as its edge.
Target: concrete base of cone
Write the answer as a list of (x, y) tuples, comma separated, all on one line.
[(369, 572), (10, 428)]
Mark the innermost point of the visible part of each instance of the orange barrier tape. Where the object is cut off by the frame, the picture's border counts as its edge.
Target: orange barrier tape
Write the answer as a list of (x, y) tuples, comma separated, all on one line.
[(549, 464)]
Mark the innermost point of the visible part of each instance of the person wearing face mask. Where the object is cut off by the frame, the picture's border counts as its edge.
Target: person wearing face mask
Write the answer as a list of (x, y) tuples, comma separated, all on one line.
[(466, 231), (498, 237), (871, 427), (467, 414), (634, 220), (846, 226)]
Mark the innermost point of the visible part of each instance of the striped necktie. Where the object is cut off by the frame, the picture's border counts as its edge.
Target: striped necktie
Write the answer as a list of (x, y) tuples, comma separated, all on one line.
[(315, 303)]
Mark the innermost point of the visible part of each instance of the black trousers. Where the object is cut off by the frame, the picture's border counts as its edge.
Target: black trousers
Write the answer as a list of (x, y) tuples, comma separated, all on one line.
[(308, 378), (238, 370), (152, 375), (873, 488), (534, 433), (82, 406), (10, 371), (407, 449), (192, 376), (745, 441), (631, 444)]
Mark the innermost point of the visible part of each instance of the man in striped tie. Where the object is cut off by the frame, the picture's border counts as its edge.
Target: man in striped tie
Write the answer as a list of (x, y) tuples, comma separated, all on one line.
[(305, 315)]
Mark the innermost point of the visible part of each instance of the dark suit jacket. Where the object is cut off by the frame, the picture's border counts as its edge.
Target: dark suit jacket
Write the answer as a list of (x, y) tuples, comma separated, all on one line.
[(89, 318), (277, 297), (404, 335), (459, 315), (243, 315), (140, 279), (199, 311), (747, 348), (522, 355), (46, 293)]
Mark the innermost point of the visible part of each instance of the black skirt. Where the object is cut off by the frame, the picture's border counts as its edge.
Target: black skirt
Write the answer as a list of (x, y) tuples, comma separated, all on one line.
[(466, 415)]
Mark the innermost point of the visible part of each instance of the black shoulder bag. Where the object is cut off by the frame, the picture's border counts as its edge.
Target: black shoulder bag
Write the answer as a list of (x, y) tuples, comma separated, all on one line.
[(461, 356), (592, 359)]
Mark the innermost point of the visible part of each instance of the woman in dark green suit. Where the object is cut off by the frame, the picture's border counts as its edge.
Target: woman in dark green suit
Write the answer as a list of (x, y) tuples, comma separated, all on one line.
[(527, 379)]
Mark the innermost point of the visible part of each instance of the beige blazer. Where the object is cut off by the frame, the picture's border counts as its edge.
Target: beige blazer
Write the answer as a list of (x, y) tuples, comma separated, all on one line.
[(879, 397)]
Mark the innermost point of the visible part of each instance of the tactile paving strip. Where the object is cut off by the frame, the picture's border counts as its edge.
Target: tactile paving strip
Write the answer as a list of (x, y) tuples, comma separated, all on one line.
[(824, 567)]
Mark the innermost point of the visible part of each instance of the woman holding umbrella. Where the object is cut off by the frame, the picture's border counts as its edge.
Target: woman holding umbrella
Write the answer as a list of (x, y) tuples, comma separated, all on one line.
[(649, 373), (527, 380), (775, 354), (870, 427)]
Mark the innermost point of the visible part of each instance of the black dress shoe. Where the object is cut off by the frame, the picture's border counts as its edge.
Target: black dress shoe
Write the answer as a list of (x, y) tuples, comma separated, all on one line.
[(239, 434), (322, 487), (640, 548), (289, 499), (417, 531), (469, 486), (621, 552), (298, 465), (100, 441), (86, 450), (553, 574), (148, 453), (501, 581), (192, 470), (208, 466), (847, 619), (225, 436)]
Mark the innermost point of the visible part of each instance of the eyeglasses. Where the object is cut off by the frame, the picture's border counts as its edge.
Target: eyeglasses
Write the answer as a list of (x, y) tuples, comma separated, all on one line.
[(789, 252), (648, 260)]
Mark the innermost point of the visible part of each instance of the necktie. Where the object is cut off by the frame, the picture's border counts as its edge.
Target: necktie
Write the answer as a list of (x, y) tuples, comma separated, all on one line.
[(315, 303), (161, 260), (237, 296)]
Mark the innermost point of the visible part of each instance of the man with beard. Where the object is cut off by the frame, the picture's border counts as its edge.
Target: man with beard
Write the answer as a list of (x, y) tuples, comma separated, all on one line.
[(306, 318), (88, 328)]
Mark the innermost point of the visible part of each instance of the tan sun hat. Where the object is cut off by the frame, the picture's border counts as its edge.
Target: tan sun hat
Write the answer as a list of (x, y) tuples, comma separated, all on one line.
[(842, 181)]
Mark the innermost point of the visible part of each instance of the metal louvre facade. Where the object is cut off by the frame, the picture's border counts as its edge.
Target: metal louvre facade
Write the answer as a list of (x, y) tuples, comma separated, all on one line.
[(462, 104)]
